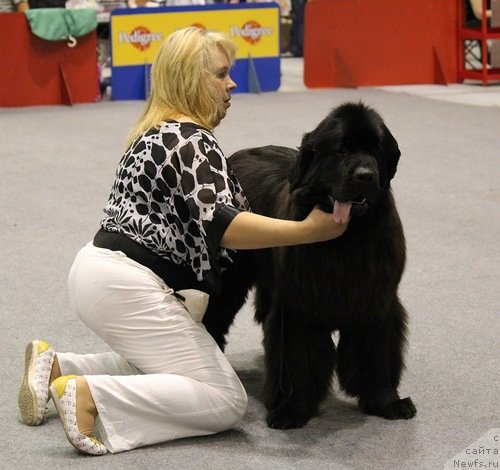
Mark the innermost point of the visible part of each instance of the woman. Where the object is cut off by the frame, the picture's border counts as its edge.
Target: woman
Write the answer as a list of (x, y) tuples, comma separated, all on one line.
[(8, 6), (175, 217), (474, 12)]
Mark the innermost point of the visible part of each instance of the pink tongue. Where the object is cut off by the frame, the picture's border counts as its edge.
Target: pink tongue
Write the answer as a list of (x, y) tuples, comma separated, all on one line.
[(341, 211)]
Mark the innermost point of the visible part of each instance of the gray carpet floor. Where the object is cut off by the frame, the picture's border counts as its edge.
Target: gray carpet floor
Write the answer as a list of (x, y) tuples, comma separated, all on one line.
[(57, 165)]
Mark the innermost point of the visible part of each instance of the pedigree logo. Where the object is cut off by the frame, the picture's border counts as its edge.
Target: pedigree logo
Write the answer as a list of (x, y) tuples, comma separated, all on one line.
[(140, 37), (251, 32)]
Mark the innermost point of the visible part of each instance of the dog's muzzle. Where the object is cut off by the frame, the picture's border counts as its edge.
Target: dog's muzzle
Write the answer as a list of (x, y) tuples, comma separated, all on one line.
[(353, 200)]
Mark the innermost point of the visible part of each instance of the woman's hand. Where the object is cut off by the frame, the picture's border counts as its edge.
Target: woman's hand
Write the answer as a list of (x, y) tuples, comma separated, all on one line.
[(252, 231), (322, 226)]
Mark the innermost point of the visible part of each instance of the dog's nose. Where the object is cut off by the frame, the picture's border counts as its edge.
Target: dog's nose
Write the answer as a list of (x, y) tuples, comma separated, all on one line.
[(364, 175)]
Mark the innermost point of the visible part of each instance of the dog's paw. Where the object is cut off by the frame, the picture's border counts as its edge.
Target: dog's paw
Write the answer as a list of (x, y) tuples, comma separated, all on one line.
[(285, 417), (402, 408)]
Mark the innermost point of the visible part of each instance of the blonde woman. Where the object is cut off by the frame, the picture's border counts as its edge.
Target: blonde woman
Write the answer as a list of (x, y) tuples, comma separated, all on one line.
[(174, 219)]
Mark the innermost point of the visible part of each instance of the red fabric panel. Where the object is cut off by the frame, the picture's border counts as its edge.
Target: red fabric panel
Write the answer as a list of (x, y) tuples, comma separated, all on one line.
[(380, 42), (39, 72)]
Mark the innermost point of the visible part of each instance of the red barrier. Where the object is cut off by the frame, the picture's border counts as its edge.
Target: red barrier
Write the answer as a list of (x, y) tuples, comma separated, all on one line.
[(39, 72), (350, 43)]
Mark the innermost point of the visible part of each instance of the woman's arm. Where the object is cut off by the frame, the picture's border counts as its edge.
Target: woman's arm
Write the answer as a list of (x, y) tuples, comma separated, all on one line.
[(477, 8), (22, 6), (252, 231)]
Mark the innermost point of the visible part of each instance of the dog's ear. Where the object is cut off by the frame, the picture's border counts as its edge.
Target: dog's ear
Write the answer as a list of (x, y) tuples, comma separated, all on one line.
[(304, 157), (391, 151)]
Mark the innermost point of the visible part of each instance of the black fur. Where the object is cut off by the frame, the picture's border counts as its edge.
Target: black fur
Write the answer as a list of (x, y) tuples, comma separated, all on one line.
[(349, 285)]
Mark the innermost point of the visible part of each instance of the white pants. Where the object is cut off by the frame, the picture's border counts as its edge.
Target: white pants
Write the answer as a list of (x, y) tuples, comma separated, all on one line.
[(166, 377)]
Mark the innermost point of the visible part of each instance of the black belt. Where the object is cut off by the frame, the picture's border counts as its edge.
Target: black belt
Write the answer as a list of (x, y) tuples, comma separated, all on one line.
[(175, 276)]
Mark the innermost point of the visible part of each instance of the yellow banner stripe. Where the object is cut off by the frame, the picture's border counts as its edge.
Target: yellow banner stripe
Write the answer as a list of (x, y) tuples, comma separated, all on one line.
[(135, 38)]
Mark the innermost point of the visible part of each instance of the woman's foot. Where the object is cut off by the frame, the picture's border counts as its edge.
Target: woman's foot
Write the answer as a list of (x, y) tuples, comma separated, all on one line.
[(76, 408), (39, 360)]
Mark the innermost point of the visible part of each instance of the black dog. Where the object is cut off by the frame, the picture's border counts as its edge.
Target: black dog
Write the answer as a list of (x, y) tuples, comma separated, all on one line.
[(349, 285)]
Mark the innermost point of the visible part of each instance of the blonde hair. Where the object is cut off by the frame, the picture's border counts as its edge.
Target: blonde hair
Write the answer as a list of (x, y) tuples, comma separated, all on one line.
[(180, 79)]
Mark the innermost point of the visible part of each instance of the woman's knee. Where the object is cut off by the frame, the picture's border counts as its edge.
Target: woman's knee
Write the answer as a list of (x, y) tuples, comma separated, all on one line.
[(241, 405), (237, 406)]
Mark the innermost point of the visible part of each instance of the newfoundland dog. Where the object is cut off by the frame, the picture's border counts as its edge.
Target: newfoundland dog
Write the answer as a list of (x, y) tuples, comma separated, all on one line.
[(349, 285)]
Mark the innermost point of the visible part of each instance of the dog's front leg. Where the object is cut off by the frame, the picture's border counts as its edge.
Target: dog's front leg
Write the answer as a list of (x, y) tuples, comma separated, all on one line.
[(299, 365), (371, 363)]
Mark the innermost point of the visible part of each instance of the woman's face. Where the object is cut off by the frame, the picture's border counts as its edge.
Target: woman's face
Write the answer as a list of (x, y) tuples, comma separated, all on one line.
[(223, 84)]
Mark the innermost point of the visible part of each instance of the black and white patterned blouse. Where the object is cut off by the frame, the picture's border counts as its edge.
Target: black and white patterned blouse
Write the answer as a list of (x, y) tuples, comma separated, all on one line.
[(175, 194)]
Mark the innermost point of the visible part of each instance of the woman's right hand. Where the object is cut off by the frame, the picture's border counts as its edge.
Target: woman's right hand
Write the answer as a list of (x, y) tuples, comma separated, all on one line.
[(322, 227), (252, 231)]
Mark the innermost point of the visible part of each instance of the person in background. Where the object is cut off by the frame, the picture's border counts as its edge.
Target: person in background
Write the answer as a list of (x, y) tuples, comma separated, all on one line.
[(9, 6), (474, 12), (174, 221), (473, 19), (142, 4), (297, 32)]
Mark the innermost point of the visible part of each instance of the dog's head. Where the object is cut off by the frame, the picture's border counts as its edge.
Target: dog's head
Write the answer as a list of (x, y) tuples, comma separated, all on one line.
[(347, 161)]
